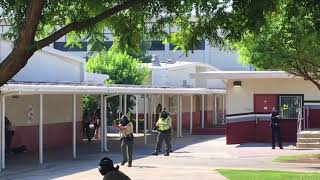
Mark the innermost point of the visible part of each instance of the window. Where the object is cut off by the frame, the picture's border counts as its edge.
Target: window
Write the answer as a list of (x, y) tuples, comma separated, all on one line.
[(201, 46), (289, 105), (157, 46), (62, 46), (108, 44)]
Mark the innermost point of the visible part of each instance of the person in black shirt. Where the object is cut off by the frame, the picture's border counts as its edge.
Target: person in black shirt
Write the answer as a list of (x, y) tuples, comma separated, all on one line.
[(275, 127), (110, 172)]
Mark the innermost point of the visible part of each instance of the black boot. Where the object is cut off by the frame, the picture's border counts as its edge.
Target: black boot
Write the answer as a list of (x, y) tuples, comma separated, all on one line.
[(167, 153), (155, 153)]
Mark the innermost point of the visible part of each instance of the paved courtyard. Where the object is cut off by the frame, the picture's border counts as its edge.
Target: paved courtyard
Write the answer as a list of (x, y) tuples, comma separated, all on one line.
[(194, 157)]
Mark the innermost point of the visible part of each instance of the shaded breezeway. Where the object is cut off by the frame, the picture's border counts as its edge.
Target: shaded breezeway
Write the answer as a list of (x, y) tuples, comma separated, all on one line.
[(194, 157)]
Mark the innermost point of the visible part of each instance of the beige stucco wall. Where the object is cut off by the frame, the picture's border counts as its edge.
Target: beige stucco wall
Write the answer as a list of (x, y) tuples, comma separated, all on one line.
[(240, 99), (56, 109)]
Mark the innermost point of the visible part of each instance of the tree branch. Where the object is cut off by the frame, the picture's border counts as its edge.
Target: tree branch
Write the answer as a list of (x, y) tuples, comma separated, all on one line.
[(304, 73), (75, 26), (29, 28)]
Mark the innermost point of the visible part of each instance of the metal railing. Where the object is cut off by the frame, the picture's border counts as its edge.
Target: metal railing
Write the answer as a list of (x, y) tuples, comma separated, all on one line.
[(303, 118), (301, 121)]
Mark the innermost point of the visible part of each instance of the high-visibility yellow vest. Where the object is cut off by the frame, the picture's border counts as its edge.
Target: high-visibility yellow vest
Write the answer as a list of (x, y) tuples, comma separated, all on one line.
[(164, 124)]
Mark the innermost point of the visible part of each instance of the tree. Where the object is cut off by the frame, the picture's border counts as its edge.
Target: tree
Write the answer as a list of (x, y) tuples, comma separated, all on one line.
[(38, 23), (289, 41), (122, 69)]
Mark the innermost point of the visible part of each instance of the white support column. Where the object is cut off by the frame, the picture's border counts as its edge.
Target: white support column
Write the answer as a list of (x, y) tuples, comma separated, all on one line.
[(223, 109), (202, 111), (137, 114), (3, 144), (180, 116), (191, 113), (215, 110), (145, 118), (101, 124), (120, 105), (151, 112), (162, 102), (41, 131), (74, 126), (125, 105), (105, 124), (1, 119)]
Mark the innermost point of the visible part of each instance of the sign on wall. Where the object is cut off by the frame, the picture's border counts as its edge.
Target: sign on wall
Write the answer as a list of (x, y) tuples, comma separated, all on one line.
[(30, 114)]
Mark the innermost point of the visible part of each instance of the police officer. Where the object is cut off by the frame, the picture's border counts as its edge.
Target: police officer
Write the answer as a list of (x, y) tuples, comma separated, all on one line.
[(275, 127), (126, 132), (164, 128)]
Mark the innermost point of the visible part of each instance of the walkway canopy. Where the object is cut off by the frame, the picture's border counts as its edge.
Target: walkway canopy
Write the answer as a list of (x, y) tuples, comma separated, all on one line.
[(74, 89), (68, 88)]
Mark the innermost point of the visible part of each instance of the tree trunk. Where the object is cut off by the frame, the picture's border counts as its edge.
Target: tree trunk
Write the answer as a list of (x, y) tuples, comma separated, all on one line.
[(13, 63)]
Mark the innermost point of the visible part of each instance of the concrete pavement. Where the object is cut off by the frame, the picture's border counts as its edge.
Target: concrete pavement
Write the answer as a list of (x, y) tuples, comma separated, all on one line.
[(194, 157)]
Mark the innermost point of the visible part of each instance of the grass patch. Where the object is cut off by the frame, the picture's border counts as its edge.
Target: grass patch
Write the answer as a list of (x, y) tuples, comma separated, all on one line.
[(267, 175), (296, 157)]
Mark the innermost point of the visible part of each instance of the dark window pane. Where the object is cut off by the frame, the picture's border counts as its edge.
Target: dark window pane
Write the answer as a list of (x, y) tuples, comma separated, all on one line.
[(201, 46), (157, 46), (108, 44), (61, 46), (172, 46)]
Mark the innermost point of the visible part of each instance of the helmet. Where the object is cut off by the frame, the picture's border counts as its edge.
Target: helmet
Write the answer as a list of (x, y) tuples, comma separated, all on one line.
[(106, 165), (164, 114), (124, 120)]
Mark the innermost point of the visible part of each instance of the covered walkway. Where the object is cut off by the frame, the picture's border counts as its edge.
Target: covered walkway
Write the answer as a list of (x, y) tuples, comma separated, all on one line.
[(42, 90)]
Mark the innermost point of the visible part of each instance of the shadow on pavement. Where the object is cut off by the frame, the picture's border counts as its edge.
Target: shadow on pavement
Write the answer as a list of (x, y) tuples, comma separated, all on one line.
[(59, 162)]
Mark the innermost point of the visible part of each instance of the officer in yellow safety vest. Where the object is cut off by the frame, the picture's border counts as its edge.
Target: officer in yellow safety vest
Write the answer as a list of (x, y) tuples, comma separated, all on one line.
[(164, 125)]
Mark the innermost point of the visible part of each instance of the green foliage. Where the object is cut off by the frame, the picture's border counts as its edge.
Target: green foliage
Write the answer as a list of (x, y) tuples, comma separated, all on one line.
[(90, 104), (214, 20), (289, 41), (122, 69)]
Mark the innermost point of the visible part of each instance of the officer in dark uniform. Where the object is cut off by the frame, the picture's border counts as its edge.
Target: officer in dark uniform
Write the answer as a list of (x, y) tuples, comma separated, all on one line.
[(275, 127)]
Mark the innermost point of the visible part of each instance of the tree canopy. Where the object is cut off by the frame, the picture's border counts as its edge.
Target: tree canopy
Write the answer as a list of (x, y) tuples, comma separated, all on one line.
[(270, 34), (38, 23), (289, 41), (122, 69)]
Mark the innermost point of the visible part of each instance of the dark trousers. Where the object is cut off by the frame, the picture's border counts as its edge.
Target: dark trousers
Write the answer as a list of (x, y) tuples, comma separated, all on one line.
[(167, 139), (8, 140), (126, 151), (88, 131), (276, 134)]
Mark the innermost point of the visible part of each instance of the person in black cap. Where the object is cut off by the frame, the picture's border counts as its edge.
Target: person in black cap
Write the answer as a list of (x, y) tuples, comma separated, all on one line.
[(126, 133), (110, 172), (275, 128)]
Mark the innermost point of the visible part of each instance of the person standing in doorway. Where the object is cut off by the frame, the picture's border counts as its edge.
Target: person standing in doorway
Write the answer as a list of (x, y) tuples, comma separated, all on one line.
[(164, 125), (86, 124), (275, 128), (97, 123), (126, 133)]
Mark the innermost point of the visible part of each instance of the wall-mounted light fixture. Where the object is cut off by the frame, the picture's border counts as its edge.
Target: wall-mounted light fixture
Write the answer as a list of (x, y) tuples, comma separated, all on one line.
[(236, 83)]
